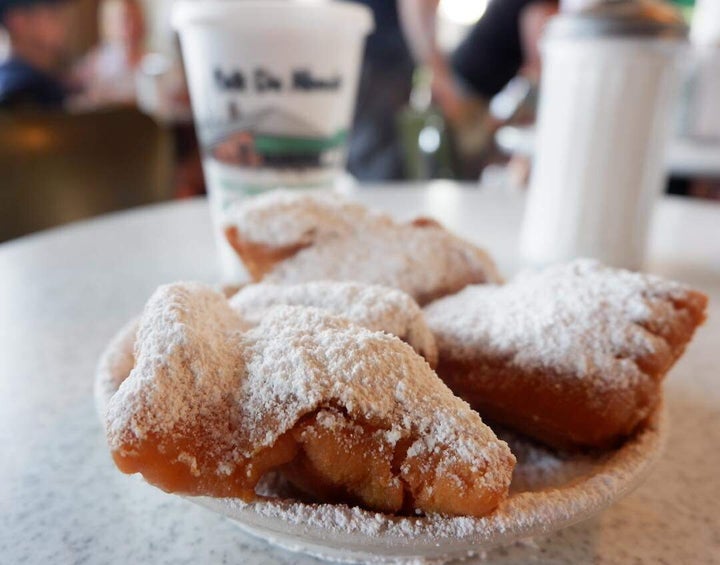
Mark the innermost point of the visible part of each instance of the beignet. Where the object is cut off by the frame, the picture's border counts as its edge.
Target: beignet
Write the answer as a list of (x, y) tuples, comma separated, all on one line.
[(573, 355), (214, 403), (287, 238)]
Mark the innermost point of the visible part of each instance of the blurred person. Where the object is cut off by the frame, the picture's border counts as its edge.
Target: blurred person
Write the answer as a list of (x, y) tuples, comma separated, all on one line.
[(121, 71), (503, 43), (419, 22), (4, 44), (404, 36), (375, 151), (500, 46), (533, 19), (38, 31), (106, 76), (437, 142)]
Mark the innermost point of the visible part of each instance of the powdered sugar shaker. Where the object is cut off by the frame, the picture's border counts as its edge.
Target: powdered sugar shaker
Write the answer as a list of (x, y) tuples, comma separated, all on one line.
[(609, 74)]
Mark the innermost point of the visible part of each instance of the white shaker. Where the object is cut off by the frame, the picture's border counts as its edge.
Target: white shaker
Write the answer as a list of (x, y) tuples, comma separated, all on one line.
[(605, 109), (703, 94)]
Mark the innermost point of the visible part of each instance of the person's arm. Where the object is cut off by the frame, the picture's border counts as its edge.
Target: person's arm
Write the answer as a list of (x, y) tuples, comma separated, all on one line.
[(492, 53), (533, 19), (418, 19)]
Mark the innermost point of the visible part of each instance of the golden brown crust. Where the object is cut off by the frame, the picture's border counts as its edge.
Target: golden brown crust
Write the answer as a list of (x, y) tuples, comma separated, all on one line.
[(341, 460), (677, 332), (424, 298), (327, 455), (345, 462), (180, 463), (529, 402), (563, 394), (290, 238), (258, 258)]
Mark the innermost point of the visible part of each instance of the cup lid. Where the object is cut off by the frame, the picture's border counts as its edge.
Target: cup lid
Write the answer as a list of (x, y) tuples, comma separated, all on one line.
[(620, 18), (323, 15)]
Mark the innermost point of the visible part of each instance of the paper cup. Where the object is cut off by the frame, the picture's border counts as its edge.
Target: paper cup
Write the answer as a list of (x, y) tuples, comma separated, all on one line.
[(273, 86)]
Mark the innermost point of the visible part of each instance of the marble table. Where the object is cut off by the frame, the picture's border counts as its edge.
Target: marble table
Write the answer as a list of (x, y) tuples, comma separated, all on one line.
[(64, 292)]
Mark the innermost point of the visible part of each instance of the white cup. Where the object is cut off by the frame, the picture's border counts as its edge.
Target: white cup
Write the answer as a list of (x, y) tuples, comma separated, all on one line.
[(273, 86)]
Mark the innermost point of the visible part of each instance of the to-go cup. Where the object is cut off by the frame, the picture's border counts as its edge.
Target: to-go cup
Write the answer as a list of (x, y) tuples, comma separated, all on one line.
[(273, 86)]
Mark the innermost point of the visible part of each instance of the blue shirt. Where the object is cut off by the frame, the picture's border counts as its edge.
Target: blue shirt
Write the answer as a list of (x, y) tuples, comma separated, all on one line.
[(24, 85)]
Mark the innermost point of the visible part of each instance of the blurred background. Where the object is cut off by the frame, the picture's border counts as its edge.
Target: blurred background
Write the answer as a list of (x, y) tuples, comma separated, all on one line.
[(95, 115)]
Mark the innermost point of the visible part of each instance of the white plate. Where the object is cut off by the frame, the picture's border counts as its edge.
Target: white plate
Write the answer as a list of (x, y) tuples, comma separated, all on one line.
[(549, 491)]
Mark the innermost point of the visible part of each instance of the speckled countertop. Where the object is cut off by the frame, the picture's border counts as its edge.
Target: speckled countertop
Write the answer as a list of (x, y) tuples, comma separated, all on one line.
[(63, 293)]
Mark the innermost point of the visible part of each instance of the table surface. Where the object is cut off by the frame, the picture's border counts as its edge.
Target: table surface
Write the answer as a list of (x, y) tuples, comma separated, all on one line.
[(63, 293)]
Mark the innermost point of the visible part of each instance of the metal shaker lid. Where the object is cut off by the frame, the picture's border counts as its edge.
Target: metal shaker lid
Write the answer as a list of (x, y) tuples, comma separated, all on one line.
[(620, 18)]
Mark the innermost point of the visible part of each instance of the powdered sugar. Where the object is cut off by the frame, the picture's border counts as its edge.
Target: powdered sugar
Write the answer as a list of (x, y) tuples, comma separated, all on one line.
[(548, 491), (174, 342), (345, 241), (197, 360), (374, 307), (114, 366), (580, 320), (282, 218)]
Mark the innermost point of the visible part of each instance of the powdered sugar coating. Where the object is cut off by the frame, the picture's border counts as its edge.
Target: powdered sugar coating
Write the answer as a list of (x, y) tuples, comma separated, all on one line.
[(173, 347), (539, 502), (346, 241), (115, 366), (580, 320), (374, 307), (282, 218), (197, 359)]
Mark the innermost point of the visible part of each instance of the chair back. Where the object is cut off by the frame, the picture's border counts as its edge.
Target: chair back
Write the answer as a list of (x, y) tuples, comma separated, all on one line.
[(57, 167)]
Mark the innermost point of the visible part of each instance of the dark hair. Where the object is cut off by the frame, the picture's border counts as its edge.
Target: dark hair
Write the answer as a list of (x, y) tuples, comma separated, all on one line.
[(8, 5)]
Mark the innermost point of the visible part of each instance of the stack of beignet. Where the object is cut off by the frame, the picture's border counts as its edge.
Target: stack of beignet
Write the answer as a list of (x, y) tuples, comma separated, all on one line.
[(330, 383), (215, 401)]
